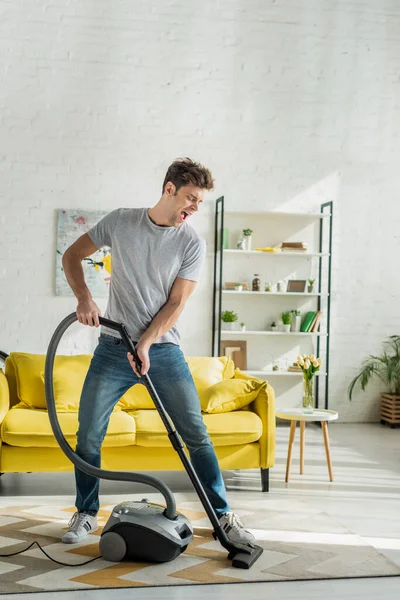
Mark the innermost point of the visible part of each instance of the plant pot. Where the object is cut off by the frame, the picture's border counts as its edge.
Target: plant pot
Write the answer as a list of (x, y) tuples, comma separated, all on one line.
[(390, 409), (286, 328), (310, 289), (296, 323), (274, 328), (243, 328), (247, 243), (308, 396), (228, 326)]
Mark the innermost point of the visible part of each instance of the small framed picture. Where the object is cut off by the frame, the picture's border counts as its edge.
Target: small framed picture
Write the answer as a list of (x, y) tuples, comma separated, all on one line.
[(237, 350), (296, 285)]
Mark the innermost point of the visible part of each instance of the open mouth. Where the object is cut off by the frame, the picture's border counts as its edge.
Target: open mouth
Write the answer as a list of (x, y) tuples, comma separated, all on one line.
[(184, 216)]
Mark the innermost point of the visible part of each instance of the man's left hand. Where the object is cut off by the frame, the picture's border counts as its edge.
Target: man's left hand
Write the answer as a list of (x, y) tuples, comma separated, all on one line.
[(143, 354)]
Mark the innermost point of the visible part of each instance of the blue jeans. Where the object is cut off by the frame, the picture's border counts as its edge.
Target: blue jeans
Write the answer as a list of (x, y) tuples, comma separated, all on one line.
[(109, 377)]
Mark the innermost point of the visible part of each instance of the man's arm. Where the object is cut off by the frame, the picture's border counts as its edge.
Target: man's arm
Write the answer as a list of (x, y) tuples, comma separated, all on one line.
[(163, 321), (87, 310)]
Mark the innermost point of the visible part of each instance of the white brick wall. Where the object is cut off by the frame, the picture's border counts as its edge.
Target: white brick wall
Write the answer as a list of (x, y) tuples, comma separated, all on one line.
[(289, 103)]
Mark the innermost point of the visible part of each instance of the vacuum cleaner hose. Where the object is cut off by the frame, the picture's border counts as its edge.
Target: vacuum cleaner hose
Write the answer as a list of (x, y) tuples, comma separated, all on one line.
[(170, 511)]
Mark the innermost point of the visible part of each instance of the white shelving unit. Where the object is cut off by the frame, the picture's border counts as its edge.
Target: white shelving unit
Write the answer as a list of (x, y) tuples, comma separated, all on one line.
[(280, 333), (300, 294), (271, 229), (276, 254)]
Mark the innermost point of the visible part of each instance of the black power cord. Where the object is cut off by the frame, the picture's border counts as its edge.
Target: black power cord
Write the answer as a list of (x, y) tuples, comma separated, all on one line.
[(48, 556)]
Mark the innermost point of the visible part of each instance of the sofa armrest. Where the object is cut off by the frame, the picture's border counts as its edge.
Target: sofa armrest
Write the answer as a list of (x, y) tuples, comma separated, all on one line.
[(4, 396), (264, 407)]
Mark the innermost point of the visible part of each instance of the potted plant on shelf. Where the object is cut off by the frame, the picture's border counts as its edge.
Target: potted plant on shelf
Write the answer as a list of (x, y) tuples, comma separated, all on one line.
[(229, 318), (385, 367), (274, 326), (247, 239), (311, 285), (242, 326), (296, 320), (286, 317), (309, 364)]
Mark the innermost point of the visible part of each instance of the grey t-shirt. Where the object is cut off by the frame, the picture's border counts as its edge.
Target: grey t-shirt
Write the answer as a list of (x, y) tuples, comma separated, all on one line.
[(145, 261)]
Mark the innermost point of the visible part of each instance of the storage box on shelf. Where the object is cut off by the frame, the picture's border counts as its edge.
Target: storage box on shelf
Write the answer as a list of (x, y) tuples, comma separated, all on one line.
[(299, 261)]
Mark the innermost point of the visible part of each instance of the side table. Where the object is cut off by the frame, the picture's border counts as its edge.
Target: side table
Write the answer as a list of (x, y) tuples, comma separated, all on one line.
[(319, 415)]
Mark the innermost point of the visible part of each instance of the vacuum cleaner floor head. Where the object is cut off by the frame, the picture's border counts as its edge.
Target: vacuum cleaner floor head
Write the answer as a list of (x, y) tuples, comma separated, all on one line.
[(140, 531)]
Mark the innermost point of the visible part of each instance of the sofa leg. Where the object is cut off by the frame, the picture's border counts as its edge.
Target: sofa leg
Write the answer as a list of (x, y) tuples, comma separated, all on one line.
[(264, 480)]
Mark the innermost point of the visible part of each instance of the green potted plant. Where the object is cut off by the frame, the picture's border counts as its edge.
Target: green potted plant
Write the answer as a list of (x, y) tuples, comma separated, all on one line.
[(242, 326), (229, 318), (247, 239), (286, 318), (296, 320), (311, 285), (385, 367)]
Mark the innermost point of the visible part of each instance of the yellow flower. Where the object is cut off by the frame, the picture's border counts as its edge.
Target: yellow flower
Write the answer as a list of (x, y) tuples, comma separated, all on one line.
[(107, 262), (306, 364), (312, 358), (300, 361), (315, 363), (319, 362)]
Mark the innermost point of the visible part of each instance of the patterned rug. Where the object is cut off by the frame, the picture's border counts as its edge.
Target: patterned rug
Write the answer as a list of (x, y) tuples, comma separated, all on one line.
[(308, 546)]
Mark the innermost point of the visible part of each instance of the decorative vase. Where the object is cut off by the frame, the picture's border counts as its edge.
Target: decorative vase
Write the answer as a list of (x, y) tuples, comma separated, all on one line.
[(310, 289), (247, 243), (296, 323), (228, 326), (308, 396)]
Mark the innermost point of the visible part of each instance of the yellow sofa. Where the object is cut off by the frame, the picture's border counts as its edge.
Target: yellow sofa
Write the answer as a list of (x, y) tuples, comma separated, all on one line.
[(239, 412)]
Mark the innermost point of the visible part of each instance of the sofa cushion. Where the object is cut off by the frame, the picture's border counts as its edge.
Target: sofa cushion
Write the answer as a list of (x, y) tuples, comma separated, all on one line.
[(31, 428), (208, 370), (136, 397), (232, 394), (69, 375), (228, 429), (205, 370)]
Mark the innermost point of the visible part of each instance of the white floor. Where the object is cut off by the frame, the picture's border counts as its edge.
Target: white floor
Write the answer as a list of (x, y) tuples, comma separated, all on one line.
[(365, 498)]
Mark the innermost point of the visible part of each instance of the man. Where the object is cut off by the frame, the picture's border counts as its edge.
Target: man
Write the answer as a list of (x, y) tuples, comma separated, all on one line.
[(156, 261)]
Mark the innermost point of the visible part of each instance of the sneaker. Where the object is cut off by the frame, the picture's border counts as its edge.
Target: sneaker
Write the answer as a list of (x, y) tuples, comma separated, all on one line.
[(235, 529), (80, 526)]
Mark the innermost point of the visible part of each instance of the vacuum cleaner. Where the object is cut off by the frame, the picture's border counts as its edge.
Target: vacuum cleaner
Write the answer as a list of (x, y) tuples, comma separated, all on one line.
[(143, 531)]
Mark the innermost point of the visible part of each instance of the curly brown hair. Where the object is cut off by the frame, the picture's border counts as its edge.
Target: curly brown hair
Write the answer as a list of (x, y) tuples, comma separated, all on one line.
[(184, 171)]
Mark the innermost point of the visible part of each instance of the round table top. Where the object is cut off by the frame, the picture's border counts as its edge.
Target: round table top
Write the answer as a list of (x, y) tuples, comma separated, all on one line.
[(296, 414)]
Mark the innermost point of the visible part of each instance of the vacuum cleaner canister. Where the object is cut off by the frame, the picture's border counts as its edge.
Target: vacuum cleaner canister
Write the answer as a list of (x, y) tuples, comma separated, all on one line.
[(140, 531)]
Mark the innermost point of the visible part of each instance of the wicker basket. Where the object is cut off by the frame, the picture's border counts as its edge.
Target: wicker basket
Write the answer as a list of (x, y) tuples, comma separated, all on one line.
[(390, 410)]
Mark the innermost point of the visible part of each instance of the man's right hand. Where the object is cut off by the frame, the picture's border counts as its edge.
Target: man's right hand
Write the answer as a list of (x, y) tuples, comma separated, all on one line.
[(88, 313)]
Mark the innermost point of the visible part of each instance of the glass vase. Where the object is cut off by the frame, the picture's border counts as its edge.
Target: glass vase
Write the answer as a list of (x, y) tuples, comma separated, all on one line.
[(308, 396)]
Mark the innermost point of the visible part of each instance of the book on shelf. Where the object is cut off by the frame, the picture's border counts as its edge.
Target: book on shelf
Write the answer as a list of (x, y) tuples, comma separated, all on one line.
[(294, 247), (294, 368), (308, 321), (317, 322)]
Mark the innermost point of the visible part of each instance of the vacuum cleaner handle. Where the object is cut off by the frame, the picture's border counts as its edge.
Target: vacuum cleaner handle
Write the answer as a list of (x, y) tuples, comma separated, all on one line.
[(122, 330)]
